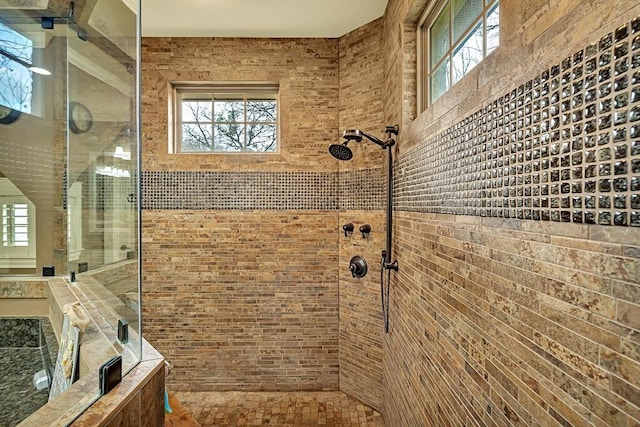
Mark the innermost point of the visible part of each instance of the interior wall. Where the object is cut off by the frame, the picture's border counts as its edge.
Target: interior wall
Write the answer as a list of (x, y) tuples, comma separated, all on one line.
[(361, 198), (523, 314), (240, 251)]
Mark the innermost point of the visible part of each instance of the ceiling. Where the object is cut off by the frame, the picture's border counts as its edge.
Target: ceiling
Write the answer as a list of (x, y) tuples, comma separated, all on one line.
[(257, 18)]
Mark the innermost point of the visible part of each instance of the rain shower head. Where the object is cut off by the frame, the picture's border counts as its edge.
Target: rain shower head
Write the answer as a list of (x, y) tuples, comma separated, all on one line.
[(352, 134), (340, 151)]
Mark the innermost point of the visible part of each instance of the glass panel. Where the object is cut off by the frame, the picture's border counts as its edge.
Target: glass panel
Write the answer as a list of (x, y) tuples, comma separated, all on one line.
[(468, 54), (261, 137), (29, 151), (196, 137), (439, 36), (101, 203), (228, 110), (238, 123), (228, 137), (197, 111), (493, 29), (440, 81), (69, 178), (464, 13), (261, 111)]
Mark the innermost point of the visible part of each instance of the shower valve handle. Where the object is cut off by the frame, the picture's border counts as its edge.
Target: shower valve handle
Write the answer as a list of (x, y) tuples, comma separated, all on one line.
[(365, 230), (358, 266), (348, 229)]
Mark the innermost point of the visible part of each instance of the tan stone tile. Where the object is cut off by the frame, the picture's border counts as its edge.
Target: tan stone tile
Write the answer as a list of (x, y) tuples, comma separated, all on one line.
[(622, 366), (629, 314)]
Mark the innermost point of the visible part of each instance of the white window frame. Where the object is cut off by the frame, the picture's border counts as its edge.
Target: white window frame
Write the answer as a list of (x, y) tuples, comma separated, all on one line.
[(18, 256), (428, 18), (246, 89)]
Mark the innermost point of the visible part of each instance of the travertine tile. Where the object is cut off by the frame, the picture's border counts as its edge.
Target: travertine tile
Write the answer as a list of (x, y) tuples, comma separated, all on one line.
[(243, 300), (552, 307), (529, 319), (278, 409)]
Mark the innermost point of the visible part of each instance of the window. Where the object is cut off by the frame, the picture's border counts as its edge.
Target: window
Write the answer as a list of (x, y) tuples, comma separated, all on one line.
[(15, 224), (16, 81), (17, 228), (455, 36), (225, 118)]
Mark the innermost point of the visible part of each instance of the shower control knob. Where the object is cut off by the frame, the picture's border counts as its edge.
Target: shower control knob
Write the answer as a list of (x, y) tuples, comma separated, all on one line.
[(358, 266), (348, 229), (365, 230)]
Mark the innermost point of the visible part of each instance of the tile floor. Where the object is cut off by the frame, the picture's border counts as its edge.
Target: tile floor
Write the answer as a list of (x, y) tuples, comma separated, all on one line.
[(299, 409)]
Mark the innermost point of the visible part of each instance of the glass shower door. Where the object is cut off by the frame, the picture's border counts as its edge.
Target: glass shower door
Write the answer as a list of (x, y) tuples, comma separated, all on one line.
[(69, 188), (102, 179)]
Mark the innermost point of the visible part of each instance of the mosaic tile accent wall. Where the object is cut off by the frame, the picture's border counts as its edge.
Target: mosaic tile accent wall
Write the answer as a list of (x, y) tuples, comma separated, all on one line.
[(239, 190), (507, 321), (361, 189), (255, 238), (564, 146)]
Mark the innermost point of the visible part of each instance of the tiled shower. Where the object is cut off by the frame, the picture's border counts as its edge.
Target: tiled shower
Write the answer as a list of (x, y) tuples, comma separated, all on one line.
[(515, 225)]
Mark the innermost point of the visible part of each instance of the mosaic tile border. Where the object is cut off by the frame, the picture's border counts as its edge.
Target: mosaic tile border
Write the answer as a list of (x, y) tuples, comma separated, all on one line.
[(564, 146), (363, 189), (347, 190), (102, 192), (239, 190)]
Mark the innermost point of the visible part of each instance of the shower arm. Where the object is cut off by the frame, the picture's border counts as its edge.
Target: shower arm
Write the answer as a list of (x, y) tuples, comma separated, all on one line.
[(383, 144)]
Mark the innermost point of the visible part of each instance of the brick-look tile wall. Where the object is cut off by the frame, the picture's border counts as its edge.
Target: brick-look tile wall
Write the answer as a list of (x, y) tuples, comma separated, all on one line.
[(242, 294), (307, 73), (243, 300), (498, 321), (362, 197), (361, 95)]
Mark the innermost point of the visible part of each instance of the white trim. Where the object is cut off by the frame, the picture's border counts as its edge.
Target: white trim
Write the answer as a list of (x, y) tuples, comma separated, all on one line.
[(9, 262), (22, 254)]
